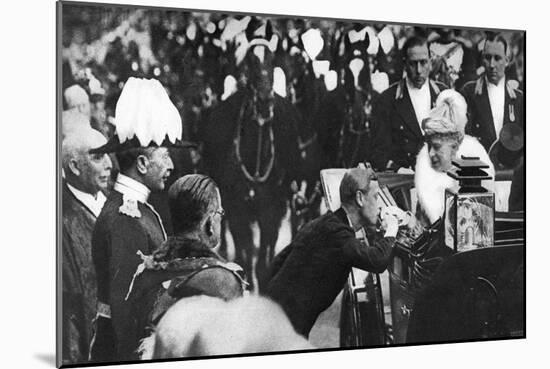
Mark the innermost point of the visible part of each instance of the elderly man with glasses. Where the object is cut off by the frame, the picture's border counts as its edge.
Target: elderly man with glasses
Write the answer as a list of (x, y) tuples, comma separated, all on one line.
[(187, 263)]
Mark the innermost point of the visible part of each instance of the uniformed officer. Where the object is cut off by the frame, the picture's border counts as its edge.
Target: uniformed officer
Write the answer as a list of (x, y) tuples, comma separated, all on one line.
[(128, 227), (399, 111), (493, 99)]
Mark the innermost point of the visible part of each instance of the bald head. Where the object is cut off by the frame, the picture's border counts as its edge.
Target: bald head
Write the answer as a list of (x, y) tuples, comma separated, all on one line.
[(87, 172), (77, 98)]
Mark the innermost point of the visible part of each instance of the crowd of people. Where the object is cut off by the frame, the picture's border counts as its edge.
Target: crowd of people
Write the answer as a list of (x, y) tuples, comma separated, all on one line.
[(144, 91)]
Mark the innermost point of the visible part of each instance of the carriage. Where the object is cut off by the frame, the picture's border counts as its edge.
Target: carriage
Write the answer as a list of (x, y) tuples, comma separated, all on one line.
[(472, 295)]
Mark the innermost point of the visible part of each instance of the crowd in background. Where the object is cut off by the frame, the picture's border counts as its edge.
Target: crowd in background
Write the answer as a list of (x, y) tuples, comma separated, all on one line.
[(191, 53), (345, 82)]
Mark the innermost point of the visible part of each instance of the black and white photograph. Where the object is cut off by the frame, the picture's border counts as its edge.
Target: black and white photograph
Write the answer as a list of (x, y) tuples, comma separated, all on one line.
[(236, 183)]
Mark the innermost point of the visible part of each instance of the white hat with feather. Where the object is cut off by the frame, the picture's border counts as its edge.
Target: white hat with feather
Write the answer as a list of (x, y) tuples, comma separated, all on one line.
[(145, 116)]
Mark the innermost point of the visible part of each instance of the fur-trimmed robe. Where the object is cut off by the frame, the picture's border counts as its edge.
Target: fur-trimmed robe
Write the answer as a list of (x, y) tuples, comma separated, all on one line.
[(430, 184)]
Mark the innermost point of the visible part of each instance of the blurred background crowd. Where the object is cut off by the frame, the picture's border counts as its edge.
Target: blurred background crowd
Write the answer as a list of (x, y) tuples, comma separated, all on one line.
[(192, 53)]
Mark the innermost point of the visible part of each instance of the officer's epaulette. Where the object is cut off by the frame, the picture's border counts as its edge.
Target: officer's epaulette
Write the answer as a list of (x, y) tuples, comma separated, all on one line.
[(129, 207), (479, 86)]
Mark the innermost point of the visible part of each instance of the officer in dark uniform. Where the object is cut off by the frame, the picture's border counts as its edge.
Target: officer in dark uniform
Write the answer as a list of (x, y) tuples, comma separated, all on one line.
[(128, 228), (398, 112), (493, 99)]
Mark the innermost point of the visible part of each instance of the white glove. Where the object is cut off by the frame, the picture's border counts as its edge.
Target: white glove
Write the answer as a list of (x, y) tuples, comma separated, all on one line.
[(392, 217)]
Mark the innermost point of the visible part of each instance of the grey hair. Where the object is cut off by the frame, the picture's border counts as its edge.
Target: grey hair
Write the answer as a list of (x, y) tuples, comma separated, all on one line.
[(78, 142), (354, 180)]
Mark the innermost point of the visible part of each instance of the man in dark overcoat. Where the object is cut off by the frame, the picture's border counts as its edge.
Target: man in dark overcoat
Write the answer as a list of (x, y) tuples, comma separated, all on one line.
[(493, 99), (85, 177), (308, 274), (398, 112)]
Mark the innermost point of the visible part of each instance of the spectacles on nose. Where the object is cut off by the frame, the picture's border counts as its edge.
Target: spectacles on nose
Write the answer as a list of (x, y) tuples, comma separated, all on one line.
[(221, 212)]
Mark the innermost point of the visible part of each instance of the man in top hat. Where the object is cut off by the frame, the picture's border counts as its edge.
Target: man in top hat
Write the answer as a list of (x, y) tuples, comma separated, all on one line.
[(86, 176), (399, 111), (128, 228), (493, 100)]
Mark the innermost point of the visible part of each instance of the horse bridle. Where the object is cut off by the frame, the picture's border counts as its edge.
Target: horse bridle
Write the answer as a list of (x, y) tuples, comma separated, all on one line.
[(261, 121), (349, 126)]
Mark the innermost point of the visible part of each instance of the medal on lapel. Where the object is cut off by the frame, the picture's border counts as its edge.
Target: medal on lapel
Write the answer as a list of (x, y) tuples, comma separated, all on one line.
[(511, 113)]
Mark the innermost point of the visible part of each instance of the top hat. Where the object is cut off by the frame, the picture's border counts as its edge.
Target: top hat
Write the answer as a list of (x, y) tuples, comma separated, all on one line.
[(507, 151)]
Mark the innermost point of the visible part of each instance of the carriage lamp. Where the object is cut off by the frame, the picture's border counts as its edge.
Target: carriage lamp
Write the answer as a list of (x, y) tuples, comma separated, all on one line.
[(470, 209)]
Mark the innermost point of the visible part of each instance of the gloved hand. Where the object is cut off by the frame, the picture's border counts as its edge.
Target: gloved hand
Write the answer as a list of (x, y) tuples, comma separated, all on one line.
[(391, 218)]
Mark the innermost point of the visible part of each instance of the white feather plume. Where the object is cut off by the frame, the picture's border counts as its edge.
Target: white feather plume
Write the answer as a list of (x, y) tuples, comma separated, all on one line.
[(331, 80), (356, 65), (387, 40), (374, 42), (229, 86), (320, 67), (279, 81), (313, 42), (145, 111), (380, 81)]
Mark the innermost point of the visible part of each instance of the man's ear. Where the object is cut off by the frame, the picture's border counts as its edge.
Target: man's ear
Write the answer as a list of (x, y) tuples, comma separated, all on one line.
[(142, 162), (359, 198), (208, 226), (74, 167)]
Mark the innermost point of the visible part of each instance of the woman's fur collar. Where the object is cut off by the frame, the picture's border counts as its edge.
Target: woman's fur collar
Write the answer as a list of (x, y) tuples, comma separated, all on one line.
[(430, 184)]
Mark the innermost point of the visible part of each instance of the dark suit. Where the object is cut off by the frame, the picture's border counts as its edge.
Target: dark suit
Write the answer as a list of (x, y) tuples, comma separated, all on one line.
[(79, 279), (309, 273), (116, 239), (397, 135), (480, 118)]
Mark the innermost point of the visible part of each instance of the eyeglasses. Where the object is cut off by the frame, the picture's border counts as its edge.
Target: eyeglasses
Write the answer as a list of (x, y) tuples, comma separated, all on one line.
[(221, 212)]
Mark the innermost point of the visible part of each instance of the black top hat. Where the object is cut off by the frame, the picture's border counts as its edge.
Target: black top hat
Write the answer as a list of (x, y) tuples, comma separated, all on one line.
[(507, 151)]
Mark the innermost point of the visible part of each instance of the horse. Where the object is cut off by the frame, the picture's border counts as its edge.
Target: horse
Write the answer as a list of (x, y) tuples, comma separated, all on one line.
[(250, 148), (206, 326), (305, 92), (344, 114)]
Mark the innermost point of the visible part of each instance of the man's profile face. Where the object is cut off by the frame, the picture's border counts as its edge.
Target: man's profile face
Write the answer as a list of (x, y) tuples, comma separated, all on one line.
[(95, 170), (159, 168), (495, 61), (418, 65), (370, 210)]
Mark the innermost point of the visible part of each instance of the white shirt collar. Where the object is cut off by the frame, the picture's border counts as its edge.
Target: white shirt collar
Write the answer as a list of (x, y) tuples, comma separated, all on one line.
[(411, 87), (131, 188), (496, 99), (93, 203), (421, 101), (499, 85), (347, 217)]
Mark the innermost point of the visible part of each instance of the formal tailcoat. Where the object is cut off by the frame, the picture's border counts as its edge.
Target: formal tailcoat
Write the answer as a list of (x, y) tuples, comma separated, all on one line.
[(308, 274), (396, 130), (124, 231), (78, 278), (480, 118)]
